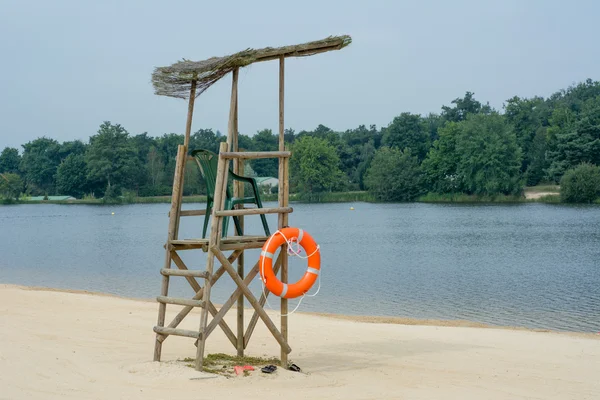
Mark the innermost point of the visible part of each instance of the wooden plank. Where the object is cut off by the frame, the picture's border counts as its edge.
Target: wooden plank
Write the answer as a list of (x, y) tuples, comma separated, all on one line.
[(242, 246), (224, 247), (254, 211), (262, 301), (191, 213), (180, 301), (197, 246), (314, 49), (171, 234), (199, 293), (219, 200), (178, 272), (176, 332), (261, 312), (228, 243), (255, 154), (225, 240), (283, 202)]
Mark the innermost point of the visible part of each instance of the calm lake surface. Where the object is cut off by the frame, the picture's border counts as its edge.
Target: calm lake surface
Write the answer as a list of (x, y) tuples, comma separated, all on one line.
[(532, 265)]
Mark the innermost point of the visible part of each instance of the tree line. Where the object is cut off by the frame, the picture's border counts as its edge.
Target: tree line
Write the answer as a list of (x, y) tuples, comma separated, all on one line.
[(468, 147)]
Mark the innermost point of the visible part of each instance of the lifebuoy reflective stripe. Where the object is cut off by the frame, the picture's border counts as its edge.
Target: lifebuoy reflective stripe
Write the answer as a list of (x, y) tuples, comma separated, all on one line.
[(275, 286)]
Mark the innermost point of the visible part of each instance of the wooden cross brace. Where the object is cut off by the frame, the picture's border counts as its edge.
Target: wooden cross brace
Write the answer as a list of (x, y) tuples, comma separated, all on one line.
[(198, 296), (243, 287), (218, 315)]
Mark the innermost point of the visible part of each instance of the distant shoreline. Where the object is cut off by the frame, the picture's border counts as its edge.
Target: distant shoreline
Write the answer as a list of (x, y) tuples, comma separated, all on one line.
[(529, 196)]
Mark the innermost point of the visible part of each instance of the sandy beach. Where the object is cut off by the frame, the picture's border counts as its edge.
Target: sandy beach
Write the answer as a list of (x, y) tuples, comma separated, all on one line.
[(68, 345)]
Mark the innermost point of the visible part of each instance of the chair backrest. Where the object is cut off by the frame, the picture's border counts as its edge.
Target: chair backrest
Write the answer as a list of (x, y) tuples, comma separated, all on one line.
[(208, 162)]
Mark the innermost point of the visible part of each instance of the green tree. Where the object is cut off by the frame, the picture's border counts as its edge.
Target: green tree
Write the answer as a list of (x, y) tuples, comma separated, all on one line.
[(360, 148), (528, 118), (314, 166), (111, 159), (11, 186), (208, 140), (580, 184), (39, 163), (433, 122), (71, 176), (166, 145), (489, 158), (408, 131), (577, 137), (476, 156), (265, 140), (538, 163), (440, 166), (463, 107), (155, 167), (394, 175), (10, 160), (76, 147)]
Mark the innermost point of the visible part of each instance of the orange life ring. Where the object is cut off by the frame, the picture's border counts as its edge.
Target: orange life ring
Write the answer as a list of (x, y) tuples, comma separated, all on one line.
[(275, 286)]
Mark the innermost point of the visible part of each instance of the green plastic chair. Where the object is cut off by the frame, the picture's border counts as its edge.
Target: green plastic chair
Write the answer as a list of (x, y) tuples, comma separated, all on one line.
[(208, 162)]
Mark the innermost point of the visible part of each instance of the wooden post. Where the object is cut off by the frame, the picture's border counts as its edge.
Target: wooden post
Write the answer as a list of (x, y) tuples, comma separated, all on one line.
[(232, 109), (188, 125), (172, 234), (238, 191), (186, 142), (283, 202), (213, 244)]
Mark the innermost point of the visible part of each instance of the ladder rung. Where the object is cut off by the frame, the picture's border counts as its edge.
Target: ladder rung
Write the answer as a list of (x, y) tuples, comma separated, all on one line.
[(228, 240), (188, 213), (228, 243), (179, 301), (252, 211), (184, 272), (176, 332), (255, 154)]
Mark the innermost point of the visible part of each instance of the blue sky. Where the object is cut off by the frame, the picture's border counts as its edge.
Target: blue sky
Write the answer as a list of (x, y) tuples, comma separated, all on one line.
[(67, 66)]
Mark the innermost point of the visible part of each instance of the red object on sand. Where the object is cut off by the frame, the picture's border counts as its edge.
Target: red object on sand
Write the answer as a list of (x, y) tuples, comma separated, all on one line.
[(239, 369)]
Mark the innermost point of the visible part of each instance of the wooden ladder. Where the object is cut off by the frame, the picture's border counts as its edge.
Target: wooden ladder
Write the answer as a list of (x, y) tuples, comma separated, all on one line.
[(215, 245)]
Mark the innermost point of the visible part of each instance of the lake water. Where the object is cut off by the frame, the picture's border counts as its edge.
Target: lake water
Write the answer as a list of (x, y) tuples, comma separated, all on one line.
[(532, 265)]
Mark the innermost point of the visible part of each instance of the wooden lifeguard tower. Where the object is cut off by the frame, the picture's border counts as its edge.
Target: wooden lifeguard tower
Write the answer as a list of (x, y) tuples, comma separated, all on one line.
[(187, 80)]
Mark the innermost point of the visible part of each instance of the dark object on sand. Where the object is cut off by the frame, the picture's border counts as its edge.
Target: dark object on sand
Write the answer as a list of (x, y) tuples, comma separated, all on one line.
[(268, 369), (294, 367)]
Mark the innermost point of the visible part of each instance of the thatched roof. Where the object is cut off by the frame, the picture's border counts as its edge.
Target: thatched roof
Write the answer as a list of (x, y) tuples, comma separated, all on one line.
[(175, 80)]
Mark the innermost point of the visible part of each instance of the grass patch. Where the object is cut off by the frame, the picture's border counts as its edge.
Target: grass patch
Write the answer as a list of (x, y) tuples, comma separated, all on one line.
[(325, 197), (121, 200), (549, 198), (550, 188), (222, 364), (468, 198), (339, 197), (167, 199)]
